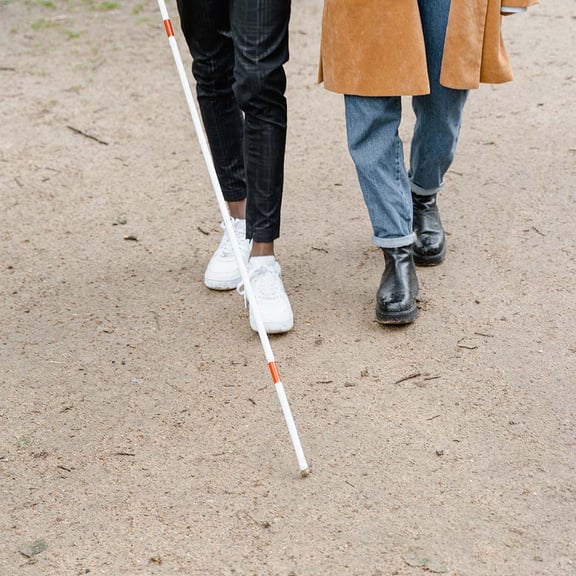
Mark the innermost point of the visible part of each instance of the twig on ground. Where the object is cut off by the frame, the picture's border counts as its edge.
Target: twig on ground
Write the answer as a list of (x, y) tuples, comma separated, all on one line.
[(409, 377), (86, 135)]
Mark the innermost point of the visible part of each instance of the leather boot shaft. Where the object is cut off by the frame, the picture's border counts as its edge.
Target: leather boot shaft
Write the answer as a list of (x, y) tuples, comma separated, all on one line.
[(430, 242)]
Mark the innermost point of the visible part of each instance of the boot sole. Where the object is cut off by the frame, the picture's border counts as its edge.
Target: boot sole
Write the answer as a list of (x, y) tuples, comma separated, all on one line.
[(404, 317), (433, 260)]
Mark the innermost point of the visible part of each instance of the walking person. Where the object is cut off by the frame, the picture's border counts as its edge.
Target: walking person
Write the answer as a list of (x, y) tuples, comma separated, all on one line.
[(239, 48), (376, 51)]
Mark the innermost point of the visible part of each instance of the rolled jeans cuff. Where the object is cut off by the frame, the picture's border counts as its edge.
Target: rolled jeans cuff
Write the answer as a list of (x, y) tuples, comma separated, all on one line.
[(393, 242), (419, 191)]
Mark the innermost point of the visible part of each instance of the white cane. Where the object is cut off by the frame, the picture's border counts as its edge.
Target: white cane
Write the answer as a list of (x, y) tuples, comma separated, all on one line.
[(303, 465)]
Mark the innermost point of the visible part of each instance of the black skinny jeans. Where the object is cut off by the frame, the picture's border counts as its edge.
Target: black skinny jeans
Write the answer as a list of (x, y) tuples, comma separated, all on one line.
[(239, 48)]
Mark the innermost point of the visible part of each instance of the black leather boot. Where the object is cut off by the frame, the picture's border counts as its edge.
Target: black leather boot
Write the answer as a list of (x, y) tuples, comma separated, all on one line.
[(396, 297), (430, 243)]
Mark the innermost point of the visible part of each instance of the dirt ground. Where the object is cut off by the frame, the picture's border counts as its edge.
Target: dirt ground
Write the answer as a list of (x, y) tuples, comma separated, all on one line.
[(140, 433)]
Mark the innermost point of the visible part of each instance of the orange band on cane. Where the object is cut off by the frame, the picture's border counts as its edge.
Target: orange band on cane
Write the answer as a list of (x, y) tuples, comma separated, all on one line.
[(168, 27), (274, 372)]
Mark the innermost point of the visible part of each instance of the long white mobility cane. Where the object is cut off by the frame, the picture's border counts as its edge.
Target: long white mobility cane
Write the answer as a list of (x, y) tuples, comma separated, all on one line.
[(303, 465)]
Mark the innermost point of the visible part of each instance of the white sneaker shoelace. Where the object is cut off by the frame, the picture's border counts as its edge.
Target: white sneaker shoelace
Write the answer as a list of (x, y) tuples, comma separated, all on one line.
[(271, 299), (265, 280)]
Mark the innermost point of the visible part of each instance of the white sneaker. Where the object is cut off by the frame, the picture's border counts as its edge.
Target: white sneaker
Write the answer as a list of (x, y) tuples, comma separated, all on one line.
[(222, 272), (272, 301)]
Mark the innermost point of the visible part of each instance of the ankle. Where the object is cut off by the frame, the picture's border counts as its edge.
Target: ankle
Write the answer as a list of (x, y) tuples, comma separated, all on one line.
[(237, 209), (262, 249)]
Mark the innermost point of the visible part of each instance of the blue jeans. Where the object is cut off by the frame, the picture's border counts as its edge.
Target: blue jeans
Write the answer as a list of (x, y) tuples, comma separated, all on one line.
[(376, 148), (239, 49)]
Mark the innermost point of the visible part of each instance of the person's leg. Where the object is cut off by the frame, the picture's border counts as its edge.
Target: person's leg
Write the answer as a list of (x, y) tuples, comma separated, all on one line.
[(438, 114), (206, 27), (438, 121), (260, 37), (376, 149)]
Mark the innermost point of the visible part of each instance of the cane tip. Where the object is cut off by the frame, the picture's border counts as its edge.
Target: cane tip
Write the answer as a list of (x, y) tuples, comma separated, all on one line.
[(305, 473)]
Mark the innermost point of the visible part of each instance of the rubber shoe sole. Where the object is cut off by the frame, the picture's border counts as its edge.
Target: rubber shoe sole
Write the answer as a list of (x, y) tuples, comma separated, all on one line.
[(432, 260), (222, 285), (401, 317), (279, 327)]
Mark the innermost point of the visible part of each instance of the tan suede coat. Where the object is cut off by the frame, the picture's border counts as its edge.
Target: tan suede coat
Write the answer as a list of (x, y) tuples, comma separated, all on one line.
[(376, 47)]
